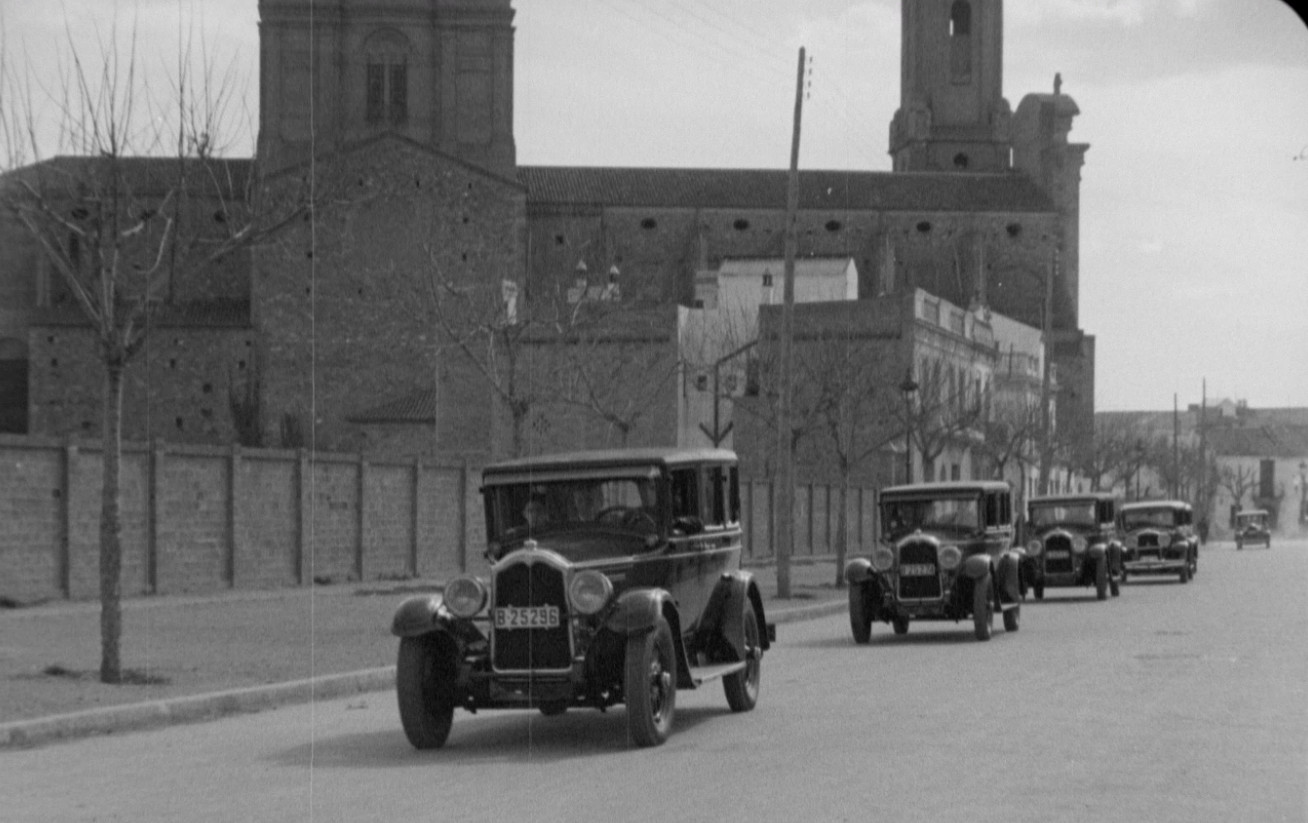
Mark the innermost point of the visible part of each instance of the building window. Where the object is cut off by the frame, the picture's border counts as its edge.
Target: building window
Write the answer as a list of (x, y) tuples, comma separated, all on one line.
[(387, 79), (960, 41)]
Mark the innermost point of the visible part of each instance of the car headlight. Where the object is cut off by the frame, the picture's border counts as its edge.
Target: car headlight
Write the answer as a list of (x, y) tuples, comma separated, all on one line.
[(465, 596), (1130, 541), (1165, 540), (950, 557), (589, 592), (1078, 545), (1035, 547), (882, 559)]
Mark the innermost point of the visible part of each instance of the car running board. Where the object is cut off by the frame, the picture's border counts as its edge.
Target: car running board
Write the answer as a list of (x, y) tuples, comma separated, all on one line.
[(699, 675)]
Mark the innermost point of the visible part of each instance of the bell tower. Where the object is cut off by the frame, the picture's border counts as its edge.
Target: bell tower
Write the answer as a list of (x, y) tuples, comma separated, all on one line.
[(952, 112)]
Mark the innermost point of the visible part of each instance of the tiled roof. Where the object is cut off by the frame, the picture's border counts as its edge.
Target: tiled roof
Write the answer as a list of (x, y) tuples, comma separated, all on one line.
[(419, 407), (766, 189)]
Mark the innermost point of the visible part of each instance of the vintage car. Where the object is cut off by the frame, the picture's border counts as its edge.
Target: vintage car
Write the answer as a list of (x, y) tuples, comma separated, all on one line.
[(1159, 538), (614, 578), (1251, 528), (1072, 541), (946, 553)]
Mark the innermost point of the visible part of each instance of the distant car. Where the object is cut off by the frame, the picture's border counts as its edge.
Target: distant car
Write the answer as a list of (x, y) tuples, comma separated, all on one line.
[(1251, 528), (1072, 541), (1159, 539), (615, 578), (946, 553)]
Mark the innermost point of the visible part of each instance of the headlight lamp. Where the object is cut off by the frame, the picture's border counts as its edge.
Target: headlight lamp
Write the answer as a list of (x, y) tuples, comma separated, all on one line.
[(1035, 547), (1165, 540), (882, 559), (465, 596), (1079, 545), (950, 557), (589, 592)]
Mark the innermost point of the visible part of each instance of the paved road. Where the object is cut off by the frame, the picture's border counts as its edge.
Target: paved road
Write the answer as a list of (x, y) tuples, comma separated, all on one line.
[(1170, 703)]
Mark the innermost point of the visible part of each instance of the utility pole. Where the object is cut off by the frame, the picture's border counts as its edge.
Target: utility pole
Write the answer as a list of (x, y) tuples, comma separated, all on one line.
[(785, 497), (1046, 333), (1176, 453)]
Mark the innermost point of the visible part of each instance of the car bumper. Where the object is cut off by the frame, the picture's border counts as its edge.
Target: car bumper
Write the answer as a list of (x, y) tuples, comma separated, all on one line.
[(1153, 566)]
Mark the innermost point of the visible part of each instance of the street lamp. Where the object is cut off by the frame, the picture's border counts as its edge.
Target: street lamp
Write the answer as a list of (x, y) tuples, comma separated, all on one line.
[(908, 387)]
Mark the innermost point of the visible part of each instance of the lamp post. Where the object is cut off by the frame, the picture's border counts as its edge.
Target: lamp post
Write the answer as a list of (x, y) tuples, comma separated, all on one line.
[(908, 387)]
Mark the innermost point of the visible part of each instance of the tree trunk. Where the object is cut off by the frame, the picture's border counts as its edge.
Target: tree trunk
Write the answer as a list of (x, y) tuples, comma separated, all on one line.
[(111, 547), (842, 528)]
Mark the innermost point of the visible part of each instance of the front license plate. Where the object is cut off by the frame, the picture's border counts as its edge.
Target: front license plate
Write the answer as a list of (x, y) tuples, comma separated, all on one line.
[(917, 570), (1059, 555), (527, 617)]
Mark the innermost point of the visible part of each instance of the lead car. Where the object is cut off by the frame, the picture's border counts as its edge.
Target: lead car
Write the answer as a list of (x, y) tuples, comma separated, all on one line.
[(946, 554), (614, 578)]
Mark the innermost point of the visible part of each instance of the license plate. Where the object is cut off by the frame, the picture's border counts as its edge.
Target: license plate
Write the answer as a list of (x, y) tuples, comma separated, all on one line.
[(527, 617), (1058, 555), (917, 570)]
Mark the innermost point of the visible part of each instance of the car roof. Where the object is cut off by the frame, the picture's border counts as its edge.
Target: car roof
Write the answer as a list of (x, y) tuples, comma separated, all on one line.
[(600, 458), (952, 487), (1072, 498), (1156, 504)]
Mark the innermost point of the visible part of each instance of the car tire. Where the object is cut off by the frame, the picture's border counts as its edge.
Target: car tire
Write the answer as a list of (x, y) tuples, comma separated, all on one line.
[(900, 625), (742, 687), (1185, 573), (425, 674), (1012, 619), (650, 685), (860, 616), (1114, 587), (1039, 590), (983, 616), (553, 708), (1101, 580), (1239, 546)]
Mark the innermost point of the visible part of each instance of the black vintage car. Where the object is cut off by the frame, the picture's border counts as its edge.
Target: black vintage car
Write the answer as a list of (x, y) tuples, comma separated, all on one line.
[(946, 553), (1251, 528), (1159, 538), (614, 578), (1072, 541)]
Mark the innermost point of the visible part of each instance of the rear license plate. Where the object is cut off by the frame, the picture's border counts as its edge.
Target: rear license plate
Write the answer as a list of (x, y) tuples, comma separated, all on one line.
[(527, 617), (917, 570), (1058, 554)]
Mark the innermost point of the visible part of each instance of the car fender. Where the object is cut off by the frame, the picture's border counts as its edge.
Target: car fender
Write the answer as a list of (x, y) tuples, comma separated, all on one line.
[(636, 611), (858, 570), (1008, 570), (739, 591), (421, 615), (977, 566)]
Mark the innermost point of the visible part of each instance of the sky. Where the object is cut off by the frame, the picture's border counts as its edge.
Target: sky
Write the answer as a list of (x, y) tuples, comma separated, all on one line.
[(1194, 198)]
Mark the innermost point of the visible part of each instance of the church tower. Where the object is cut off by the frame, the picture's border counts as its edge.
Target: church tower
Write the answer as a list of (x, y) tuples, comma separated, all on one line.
[(952, 112), (438, 72)]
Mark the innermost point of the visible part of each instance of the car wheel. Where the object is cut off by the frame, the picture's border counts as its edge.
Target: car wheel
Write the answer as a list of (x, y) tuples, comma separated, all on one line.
[(1185, 573), (553, 708), (1039, 590), (1238, 545), (650, 685), (1012, 619), (982, 615), (424, 684), (900, 625), (1114, 588), (860, 616), (1101, 580), (742, 687)]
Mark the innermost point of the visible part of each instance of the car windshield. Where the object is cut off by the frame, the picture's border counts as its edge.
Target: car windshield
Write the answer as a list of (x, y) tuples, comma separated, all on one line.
[(521, 510), (1255, 519), (1080, 513), (954, 514), (1146, 518)]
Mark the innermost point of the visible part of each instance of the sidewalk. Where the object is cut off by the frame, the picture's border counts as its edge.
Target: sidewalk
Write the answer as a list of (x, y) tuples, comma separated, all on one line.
[(194, 657)]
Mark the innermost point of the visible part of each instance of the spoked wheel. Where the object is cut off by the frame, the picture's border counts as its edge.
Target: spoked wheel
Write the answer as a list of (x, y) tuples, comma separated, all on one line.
[(1101, 580), (424, 684), (650, 685), (742, 687), (860, 616), (900, 625), (982, 615)]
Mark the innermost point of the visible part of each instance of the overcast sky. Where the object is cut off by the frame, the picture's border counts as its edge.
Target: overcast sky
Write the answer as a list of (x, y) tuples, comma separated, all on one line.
[(1194, 199)]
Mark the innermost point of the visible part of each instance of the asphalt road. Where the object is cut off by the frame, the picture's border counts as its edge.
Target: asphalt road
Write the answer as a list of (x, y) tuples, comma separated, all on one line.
[(1171, 703)]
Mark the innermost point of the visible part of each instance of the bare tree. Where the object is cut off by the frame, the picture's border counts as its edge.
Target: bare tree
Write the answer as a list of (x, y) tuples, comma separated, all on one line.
[(145, 206), (1238, 481), (1011, 435), (944, 412)]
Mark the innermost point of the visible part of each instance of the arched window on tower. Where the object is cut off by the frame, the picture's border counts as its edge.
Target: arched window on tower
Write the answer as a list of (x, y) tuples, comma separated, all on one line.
[(960, 41), (387, 78)]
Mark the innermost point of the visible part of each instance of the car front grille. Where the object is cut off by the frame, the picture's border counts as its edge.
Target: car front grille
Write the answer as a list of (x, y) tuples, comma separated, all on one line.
[(521, 649), (1148, 540), (919, 587), (1058, 565)]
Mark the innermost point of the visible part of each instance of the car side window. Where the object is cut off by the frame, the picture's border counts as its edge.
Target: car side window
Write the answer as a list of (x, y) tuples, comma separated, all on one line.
[(717, 496), (685, 493)]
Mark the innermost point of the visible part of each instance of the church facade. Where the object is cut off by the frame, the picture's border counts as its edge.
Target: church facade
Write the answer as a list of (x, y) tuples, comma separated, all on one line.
[(404, 112)]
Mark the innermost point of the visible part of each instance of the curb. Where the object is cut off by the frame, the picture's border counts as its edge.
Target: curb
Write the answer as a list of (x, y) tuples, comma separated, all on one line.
[(212, 706)]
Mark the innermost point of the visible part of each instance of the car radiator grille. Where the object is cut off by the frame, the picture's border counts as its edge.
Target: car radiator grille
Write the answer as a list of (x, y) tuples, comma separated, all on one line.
[(1058, 565), (1148, 540), (536, 584), (919, 586)]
